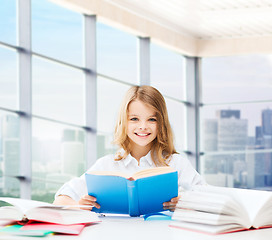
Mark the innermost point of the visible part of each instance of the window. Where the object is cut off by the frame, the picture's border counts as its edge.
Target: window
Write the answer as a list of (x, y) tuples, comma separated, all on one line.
[(8, 78), (167, 72), (57, 32), (116, 54), (237, 79), (58, 154), (236, 121), (9, 154), (58, 91), (110, 95), (8, 21), (177, 116)]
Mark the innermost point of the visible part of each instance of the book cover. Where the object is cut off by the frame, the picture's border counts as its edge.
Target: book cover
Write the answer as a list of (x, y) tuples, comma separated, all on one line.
[(117, 194), (73, 229), (17, 230)]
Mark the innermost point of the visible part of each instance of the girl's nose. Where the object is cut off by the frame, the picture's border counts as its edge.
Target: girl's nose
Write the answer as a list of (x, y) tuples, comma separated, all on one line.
[(142, 126)]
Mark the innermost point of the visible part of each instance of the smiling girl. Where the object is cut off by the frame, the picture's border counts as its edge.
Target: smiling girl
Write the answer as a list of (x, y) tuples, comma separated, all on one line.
[(145, 138)]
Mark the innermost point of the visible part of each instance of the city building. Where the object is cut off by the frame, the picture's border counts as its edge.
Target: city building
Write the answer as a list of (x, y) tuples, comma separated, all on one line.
[(223, 137), (11, 151), (267, 122)]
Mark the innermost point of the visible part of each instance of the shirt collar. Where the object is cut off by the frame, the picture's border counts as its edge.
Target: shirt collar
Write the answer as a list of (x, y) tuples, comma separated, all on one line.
[(129, 158), (148, 158)]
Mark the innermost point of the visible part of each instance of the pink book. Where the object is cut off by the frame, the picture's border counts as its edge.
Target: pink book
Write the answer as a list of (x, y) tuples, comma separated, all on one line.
[(74, 229)]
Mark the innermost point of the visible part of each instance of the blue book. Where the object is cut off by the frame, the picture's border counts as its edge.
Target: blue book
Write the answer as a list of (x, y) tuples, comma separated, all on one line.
[(143, 193)]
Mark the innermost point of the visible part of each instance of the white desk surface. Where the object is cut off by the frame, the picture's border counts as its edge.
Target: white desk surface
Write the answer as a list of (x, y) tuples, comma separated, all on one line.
[(128, 228)]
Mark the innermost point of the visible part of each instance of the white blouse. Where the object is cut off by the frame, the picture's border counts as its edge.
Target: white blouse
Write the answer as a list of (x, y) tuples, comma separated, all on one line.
[(188, 177)]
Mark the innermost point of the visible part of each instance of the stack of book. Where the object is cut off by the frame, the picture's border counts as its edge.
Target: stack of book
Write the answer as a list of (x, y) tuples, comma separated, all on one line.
[(217, 210), (35, 218)]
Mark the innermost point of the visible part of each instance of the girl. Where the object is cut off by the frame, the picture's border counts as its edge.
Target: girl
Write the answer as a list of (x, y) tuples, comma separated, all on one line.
[(144, 134)]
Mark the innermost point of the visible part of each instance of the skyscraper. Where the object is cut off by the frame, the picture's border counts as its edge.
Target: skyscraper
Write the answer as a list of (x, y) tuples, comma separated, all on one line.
[(267, 122), (228, 114), (210, 134), (73, 161), (232, 134), (256, 169), (226, 133), (10, 125), (267, 143), (259, 136), (11, 151), (11, 165)]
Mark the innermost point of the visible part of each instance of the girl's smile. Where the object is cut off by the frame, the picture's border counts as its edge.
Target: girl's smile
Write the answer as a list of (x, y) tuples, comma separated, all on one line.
[(142, 134)]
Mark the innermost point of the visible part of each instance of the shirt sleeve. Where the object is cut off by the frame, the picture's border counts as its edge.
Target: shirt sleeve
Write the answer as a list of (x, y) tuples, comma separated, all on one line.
[(188, 177), (77, 187)]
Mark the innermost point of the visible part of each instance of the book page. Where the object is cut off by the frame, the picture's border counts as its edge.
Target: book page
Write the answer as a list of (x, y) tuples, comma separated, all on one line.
[(208, 202), (141, 174), (10, 213), (251, 200), (152, 172), (110, 173), (24, 204)]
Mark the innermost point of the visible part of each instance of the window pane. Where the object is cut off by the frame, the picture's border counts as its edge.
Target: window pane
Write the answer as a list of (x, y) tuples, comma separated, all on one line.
[(9, 154), (8, 78), (58, 92), (224, 170), (167, 72), (109, 97), (235, 138), (116, 54), (177, 116), (250, 169), (8, 21), (58, 154), (57, 32), (237, 78)]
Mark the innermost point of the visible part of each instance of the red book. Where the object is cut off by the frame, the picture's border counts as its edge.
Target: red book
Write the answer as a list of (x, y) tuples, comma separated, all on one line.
[(74, 229)]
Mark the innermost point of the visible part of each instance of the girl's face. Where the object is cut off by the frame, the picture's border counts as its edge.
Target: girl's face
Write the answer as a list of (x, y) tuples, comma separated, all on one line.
[(142, 125)]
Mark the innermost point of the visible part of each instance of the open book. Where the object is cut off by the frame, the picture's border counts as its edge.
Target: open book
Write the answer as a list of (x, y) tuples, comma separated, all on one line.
[(144, 192), (23, 210), (221, 210)]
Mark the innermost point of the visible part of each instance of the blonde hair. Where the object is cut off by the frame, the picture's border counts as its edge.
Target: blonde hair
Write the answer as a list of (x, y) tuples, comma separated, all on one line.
[(163, 144)]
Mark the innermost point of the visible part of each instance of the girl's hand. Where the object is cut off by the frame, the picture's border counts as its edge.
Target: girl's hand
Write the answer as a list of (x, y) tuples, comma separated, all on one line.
[(171, 205), (89, 201)]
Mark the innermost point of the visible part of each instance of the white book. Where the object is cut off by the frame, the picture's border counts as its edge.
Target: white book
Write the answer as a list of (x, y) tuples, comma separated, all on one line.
[(23, 210), (220, 210)]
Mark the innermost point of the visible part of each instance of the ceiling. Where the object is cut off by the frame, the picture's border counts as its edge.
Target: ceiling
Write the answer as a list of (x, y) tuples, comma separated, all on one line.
[(193, 27), (206, 19)]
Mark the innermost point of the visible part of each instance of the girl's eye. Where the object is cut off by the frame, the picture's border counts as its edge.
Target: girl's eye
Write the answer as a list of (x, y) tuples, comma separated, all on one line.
[(152, 119), (134, 119)]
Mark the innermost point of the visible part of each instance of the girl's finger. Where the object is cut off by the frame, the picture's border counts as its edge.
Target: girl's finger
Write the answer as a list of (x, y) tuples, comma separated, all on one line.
[(88, 197)]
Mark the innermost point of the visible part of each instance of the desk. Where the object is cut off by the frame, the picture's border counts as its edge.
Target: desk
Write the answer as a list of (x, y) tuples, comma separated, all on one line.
[(127, 228)]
